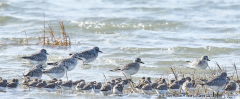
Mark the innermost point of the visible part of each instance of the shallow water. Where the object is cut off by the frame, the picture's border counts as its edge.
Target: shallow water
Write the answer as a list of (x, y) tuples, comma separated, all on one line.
[(162, 33)]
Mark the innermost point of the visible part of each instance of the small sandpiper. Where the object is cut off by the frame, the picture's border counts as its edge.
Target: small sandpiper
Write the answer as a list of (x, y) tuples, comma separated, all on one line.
[(147, 89), (89, 87), (174, 87), (231, 87), (131, 68), (162, 89), (106, 89), (35, 72), (69, 63), (41, 84), (3, 85), (33, 83), (67, 85), (56, 71), (88, 56), (98, 86), (80, 85), (13, 84), (118, 89), (50, 87), (199, 63), (37, 58)]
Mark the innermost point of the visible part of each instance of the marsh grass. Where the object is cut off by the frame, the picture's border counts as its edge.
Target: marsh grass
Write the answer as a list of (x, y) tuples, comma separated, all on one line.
[(51, 39)]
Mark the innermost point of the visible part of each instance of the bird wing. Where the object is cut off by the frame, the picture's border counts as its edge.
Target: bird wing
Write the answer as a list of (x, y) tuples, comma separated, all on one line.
[(37, 57), (128, 66), (34, 72)]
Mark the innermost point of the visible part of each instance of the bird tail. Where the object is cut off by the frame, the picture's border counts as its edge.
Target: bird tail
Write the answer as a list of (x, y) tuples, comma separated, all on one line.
[(54, 64), (25, 57), (116, 69)]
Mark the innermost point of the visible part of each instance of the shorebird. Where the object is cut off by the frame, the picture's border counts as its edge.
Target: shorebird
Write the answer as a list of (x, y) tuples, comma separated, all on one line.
[(50, 87), (33, 83), (98, 86), (161, 88), (131, 68), (217, 82), (35, 72), (3, 85), (199, 63), (13, 84), (106, 89), (37, 58), (41, 84), (174, 87), (118, 89), (67, 85), (80, 85), (88, 87), (231, 87), (88, 56), (69, 63), (147, 89), (56, 71)]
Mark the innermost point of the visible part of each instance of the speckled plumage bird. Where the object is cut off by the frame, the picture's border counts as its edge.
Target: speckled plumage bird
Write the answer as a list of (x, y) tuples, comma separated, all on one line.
[(69, 63), (37, 58), (131, 68), (35, 72), (88, 56), (200, 63)]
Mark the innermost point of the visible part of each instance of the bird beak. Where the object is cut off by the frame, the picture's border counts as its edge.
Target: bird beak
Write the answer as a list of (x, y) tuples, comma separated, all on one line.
[(208, 60), (43, 69), (142, 62), (100, 51), (47, 53)]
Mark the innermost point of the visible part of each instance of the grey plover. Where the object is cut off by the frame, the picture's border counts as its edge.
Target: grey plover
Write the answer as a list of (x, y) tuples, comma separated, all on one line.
[(131, 68), (162, 88), (35, 72), (88, 56), (67, 85), (56, 71), (13, 84), (3, 85), (231, 87), (106, 89), (174, 87), (37, 58), (200, 63), (216, 83), (41, 84), (80, 85), (118, 89), (69, 63), (147, 89), (89, 87)]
